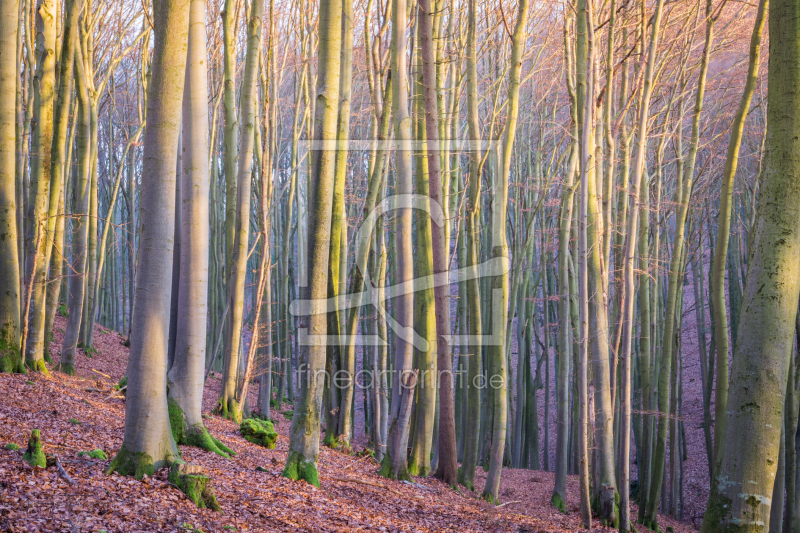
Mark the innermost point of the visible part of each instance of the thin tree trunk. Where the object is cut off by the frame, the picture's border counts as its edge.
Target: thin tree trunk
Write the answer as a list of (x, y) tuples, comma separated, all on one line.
[(80, 226), (227, 405), (394, 462), (304, 437), (41, 145)]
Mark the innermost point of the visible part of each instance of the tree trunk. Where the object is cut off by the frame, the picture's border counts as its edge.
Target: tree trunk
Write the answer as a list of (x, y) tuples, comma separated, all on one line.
[(185, 378), (304, 437), (473, 412), (742, 490), (148, 443), (41, 145), (497, 357), (227, 405), (724, 229), (80, 226), (9, 253), (394, 463)]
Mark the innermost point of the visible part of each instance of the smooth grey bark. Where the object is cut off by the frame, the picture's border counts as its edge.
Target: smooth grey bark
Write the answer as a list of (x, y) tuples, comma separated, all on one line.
[(395, 463), (148, 443), (185, 378)]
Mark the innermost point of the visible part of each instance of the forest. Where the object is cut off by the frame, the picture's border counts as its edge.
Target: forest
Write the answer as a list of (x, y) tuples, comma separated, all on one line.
[(423, 265)]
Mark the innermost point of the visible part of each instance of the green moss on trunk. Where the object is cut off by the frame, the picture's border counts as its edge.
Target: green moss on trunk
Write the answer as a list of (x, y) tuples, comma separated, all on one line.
[(38, 366), (196, 435), (10, 360), (197, 486), (34, 454), (66, 368), (387, 471), (558, 502), (462, 479), (128, 463), (229, 409), (298, 467)]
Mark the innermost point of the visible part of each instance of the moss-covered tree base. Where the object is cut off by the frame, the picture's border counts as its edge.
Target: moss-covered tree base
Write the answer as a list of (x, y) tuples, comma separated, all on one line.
[(298, 467), (463, 481), (10, 360), (229, 409), (489, 497), (258, 431), (127, 463), (34, 455), (418, 470), (558, 502), (196, 435), (191, 480), (66, 368), (652, 525), (37, 365), (387, 471)]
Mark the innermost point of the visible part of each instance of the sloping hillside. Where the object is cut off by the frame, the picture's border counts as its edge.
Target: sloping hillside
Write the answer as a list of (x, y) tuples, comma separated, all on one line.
[(79, 413)]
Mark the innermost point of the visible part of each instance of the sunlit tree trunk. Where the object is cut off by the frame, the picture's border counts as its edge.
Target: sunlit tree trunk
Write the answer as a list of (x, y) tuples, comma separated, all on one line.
[(582, 55), (41, 144), (304, 437), (447, 469), (394, 463), (741, 496), (148, 443), (559, 497), (348, 360), (724, 228), (424, 303), (80, 228), (185, 378), (676, 281), (9, 253), (227, 405), (638, 186), (498, 362)]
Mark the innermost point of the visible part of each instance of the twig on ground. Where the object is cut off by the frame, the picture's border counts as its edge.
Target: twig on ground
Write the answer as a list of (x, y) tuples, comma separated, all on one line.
[(63, 473), (114, 393), (509, 503)]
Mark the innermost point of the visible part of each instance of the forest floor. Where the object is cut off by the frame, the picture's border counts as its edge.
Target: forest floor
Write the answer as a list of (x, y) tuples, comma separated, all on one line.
[(79, 413)]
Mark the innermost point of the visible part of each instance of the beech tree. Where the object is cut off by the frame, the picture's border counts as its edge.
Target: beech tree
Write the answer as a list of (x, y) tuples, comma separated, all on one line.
[(148, 443), (304, 438), (742, 488), (9, 265)]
